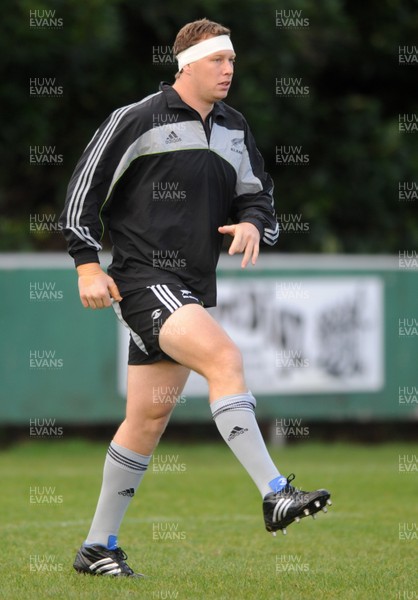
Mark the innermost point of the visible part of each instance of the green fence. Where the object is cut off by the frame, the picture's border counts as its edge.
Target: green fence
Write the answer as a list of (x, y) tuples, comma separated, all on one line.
[(62, 364)]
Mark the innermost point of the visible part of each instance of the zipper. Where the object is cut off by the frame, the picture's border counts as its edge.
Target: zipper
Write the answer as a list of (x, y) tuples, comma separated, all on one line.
[(207, 127)]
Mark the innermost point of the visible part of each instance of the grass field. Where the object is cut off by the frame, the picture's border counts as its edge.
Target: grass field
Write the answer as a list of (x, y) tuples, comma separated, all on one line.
[(196, 529)]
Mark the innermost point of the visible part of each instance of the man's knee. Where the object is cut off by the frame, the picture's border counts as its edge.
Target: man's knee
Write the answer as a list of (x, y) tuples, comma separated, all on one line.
[(225, 362), (147, 423)]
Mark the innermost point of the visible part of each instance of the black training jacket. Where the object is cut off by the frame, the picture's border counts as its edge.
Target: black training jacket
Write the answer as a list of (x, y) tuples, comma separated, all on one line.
[(162, 182)]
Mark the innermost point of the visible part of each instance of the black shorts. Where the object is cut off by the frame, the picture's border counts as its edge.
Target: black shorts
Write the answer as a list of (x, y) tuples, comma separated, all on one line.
[(144, 312)]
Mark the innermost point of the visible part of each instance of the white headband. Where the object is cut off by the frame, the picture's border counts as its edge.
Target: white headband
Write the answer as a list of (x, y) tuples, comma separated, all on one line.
[(202, 49)]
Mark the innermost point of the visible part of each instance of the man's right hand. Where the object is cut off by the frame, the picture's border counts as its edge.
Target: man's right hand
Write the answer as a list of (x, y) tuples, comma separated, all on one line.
[(96, 288)]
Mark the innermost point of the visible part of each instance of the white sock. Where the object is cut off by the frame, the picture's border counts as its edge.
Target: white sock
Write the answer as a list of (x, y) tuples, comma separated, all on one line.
[(122, 474), (235, 418)]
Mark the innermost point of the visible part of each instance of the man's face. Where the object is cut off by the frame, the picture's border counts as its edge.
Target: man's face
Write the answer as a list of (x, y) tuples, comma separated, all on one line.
[(211, 76)]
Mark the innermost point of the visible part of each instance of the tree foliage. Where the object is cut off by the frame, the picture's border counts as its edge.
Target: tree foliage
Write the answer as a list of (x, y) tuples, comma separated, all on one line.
[(346, 55)]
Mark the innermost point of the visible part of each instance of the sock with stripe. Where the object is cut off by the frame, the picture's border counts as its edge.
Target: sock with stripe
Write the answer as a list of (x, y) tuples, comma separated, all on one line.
[(235, 418), (122, 474)]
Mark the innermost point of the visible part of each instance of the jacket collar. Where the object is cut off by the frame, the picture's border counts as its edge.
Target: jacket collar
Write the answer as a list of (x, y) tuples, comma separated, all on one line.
[(174, 101)]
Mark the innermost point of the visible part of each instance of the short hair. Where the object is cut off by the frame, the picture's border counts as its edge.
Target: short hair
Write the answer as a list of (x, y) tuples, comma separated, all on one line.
[(195, 32)]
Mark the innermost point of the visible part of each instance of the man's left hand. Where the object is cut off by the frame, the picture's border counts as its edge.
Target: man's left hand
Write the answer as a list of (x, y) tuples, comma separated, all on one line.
[(246, 239)]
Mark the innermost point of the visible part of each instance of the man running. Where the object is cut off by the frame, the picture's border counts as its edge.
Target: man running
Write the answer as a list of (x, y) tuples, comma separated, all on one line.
[(162, 277)]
